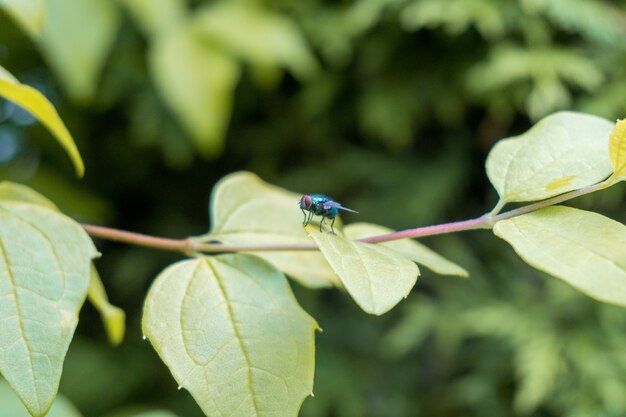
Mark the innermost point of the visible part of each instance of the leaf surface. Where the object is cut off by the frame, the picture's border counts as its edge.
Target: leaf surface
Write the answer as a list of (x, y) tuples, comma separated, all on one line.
[(113, 317), (270, 39), (197, 82), (39, 106), (29, 14), (410, 248), (11, 191), (584, 249), (231, 333), (562, 152), (617, 149), (44, 275), (246, 210), (10, 405), (76, 40), (376, 277)]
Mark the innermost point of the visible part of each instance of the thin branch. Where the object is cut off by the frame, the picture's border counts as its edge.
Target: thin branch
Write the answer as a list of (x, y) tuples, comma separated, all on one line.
[(189, 245)]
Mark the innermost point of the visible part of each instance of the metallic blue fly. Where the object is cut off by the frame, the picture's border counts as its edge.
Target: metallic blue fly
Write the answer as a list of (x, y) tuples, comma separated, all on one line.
[(320, 205)]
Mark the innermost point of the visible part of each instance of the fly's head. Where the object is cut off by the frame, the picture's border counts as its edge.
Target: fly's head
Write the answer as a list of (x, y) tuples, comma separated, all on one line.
[(305, 202)]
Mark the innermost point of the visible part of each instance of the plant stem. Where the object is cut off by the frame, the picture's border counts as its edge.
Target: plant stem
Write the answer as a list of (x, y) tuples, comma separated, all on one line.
[(189, 245)]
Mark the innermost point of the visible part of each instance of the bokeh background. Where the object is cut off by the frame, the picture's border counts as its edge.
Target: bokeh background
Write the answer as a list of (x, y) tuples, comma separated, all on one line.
[(391, 107)]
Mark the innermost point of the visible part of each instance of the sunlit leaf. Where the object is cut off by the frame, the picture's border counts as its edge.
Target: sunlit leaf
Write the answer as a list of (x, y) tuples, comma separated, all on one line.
[(197, 82), (29, 14), (156, 20), (410, 248), (39, 106), (617, 149), (44, 276), (114, 318), (582, 248), (269, 39), (11, 191), (76, 40), (10, 405), (563, 152), (375, 276), (245, 210), (231, 333)]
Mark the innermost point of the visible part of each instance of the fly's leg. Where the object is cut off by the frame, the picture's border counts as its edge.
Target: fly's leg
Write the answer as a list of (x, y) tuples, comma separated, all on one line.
[(304, 221), (322, 222), (331, 226), (307, 219)]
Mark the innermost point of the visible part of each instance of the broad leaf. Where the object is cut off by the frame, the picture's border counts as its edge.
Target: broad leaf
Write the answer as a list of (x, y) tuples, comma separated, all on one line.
[(44, 275), (582, 248), (245, 210), (11, 191), (39, 106), (409, 248), (29, 14), (269, 39), (562, 152), (375, 276), (76, 40), (231, 333), (114, 318), (197, 82), (10, 405), (617, 149), (155, 21)]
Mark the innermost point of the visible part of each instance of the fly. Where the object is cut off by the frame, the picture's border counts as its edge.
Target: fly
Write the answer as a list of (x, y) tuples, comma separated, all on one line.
[(320, 205)]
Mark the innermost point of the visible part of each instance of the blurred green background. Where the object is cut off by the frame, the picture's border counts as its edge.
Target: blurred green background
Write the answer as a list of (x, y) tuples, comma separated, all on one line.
[(390, 106)]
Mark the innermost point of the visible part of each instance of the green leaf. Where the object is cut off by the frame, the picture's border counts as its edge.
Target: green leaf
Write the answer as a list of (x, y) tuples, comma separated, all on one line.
[(39, 106), (247, 211), (44, 263), (76, 40), (409, 248), (11, 191), (563, 152), (376, 277), (617, 149), (231, 333), (154, 21), (269, 39), (582, 248), (114, 318), (29, 14), (10, 405), (197, 82)]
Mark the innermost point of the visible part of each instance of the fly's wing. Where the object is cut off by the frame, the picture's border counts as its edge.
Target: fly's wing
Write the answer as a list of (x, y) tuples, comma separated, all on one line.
[(340, 207)]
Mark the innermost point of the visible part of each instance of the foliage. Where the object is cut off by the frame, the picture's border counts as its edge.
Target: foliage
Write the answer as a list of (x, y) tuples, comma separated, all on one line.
[(375, 102)]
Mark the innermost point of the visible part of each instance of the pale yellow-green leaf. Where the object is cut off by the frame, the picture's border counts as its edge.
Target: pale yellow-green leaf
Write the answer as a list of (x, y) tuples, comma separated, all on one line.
[(562, 152), (410, 248), (76, 40), (11, 191), (246, 210), (39, 106), (233, 335), (113, 317), (617, 149), (376, 277), (29, 14), (197, 82), (262, 37), (584, 249), (44, 275), (154, 21), (10, 405)]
